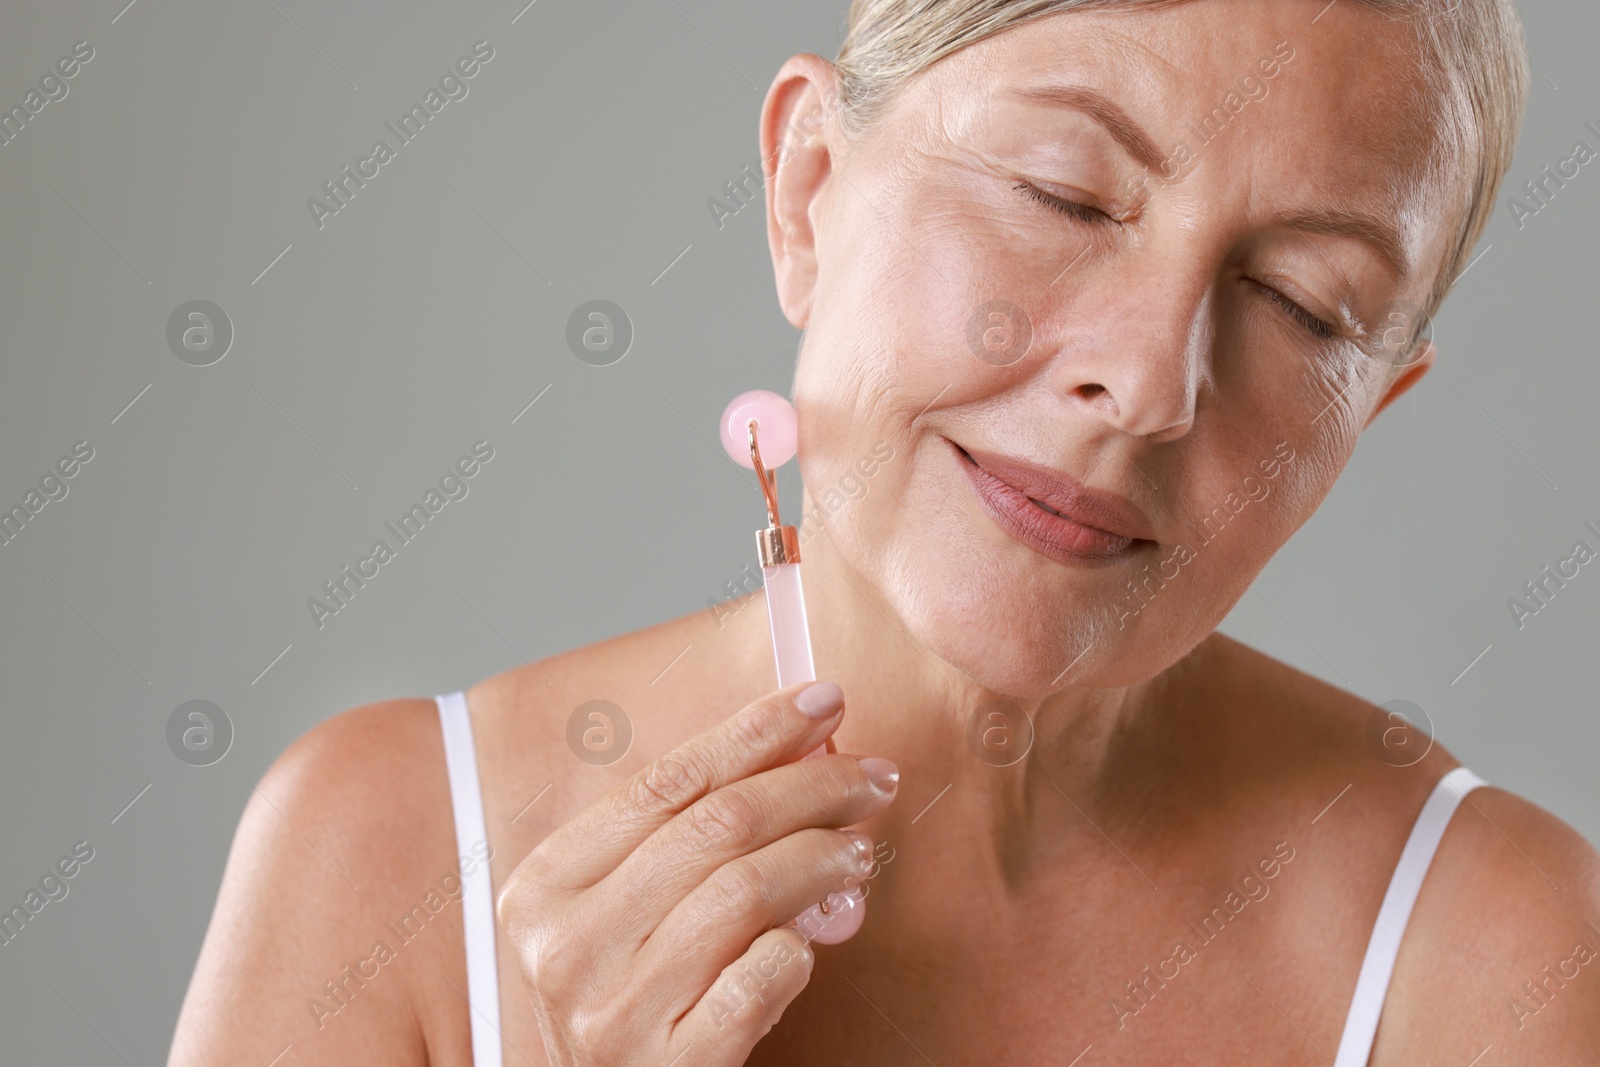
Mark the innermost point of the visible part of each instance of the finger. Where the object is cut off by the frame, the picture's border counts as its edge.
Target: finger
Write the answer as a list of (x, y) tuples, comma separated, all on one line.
[(747, 896), (745, 1002), (736, 820), (768, 732)]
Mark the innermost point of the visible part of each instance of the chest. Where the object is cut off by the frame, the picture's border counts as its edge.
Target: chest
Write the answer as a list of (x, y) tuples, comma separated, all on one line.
[(1129, 999), (1097, 963)]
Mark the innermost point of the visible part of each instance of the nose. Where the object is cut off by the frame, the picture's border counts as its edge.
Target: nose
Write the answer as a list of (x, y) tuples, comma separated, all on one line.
[(1135, 351)]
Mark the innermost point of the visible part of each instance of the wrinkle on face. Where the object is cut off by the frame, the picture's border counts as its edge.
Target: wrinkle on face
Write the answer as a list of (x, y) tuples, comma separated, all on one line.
[(926, 226)]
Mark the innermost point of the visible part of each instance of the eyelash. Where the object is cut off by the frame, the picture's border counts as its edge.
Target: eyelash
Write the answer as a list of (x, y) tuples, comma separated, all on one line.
[(1081, 212), (1317, 327)]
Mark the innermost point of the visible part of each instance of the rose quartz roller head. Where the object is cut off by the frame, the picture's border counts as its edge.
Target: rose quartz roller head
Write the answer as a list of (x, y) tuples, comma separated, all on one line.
[(778, 423), (760, 430), (835, 919)]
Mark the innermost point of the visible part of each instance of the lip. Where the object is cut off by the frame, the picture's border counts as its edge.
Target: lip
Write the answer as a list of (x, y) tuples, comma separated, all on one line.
[(1090, 524)]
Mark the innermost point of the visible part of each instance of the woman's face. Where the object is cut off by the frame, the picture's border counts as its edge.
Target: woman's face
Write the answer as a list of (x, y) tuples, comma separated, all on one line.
[(1170, 255)]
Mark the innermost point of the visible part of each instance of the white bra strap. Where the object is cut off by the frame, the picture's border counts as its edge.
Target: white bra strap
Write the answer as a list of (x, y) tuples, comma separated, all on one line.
[(477, 904), (1372, 986)]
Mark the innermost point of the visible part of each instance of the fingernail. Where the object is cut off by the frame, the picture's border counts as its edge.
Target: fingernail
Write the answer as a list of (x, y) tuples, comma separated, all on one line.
[(883, 773), (819, 700), (863, 845)]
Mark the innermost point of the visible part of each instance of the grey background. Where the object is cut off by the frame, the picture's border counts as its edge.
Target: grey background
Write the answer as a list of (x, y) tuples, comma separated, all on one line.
[(430, 311)]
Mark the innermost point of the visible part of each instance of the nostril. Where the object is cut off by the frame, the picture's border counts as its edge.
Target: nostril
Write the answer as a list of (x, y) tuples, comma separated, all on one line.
[(1091, 390)]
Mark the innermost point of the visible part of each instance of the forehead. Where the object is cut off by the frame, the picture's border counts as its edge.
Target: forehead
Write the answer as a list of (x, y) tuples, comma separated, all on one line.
[(1345, 122)]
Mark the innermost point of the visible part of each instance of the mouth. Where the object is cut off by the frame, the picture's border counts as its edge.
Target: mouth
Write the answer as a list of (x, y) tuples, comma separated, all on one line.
[(1052, 513)]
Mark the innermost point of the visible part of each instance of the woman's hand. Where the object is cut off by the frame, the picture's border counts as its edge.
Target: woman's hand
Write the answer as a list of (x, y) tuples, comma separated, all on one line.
[(651, 924)]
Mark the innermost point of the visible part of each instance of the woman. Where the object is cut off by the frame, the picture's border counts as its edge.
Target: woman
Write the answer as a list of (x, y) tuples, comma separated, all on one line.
[(1114, 287)]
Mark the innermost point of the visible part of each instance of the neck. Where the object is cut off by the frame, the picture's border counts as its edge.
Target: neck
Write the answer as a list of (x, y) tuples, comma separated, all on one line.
[(1001, 774)]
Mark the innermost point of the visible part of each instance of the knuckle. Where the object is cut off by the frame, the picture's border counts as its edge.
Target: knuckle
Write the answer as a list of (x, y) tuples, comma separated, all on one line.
[(526, 895), (755, 992), (509, 909), (514, 905), (837, 780), (739, 888), (594, 1034), (583, 1032), (670, 784), (556, 961), (757, 725), (728, 819)]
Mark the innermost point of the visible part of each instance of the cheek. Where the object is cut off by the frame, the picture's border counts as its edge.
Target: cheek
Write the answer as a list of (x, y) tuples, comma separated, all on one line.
[(1234, 532), (925, 264), (980, 281), (888, 339)]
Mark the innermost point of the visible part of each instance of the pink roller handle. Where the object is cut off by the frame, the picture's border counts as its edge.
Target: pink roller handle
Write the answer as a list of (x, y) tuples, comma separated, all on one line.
[(791, 647), (791, 640), (786, 611), (777, 435)]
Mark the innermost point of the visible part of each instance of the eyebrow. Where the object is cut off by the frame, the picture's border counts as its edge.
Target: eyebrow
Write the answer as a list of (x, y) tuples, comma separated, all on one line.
[(1117, 122), (1375, 231)]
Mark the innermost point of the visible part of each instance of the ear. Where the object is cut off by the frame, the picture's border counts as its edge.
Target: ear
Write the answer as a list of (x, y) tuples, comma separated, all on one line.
[(1426, 353), (797, 132)]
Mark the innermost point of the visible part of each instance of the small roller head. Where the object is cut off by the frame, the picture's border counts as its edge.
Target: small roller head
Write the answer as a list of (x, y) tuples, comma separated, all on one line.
[(777, 432)]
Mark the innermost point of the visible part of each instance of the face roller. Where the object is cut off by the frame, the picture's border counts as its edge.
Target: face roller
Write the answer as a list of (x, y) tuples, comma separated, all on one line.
[(752, 421)]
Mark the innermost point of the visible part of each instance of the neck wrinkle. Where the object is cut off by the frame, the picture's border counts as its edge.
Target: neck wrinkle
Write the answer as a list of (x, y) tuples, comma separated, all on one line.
[(904, 702)]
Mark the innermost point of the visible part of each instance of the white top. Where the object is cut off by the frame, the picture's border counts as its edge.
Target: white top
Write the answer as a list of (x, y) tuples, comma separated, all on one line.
[(1361, 1025), (483, 987), (477, 903)]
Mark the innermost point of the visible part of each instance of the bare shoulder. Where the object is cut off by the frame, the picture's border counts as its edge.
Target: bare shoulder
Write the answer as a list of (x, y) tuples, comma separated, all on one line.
[(554, 735), (338, 931), (1309, 733), (1503, 949), (316, 942)]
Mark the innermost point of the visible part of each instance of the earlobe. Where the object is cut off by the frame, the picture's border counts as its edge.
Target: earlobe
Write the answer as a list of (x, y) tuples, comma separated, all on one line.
[(1425, 355), (796, 130)]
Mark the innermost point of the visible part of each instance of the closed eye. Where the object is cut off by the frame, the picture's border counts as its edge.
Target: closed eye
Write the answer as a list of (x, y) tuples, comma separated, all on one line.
[(1319, 328), (1082, 212)]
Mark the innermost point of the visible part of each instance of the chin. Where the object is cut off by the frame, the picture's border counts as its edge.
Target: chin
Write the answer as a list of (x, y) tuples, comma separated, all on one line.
[(1005, 617), (1016, 635)]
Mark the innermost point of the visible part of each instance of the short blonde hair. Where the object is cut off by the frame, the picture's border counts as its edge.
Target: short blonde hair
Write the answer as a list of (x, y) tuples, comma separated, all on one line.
[(1472, 54)]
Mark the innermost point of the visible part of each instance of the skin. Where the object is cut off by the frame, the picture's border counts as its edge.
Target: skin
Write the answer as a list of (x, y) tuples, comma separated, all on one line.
[(1012, 905)]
